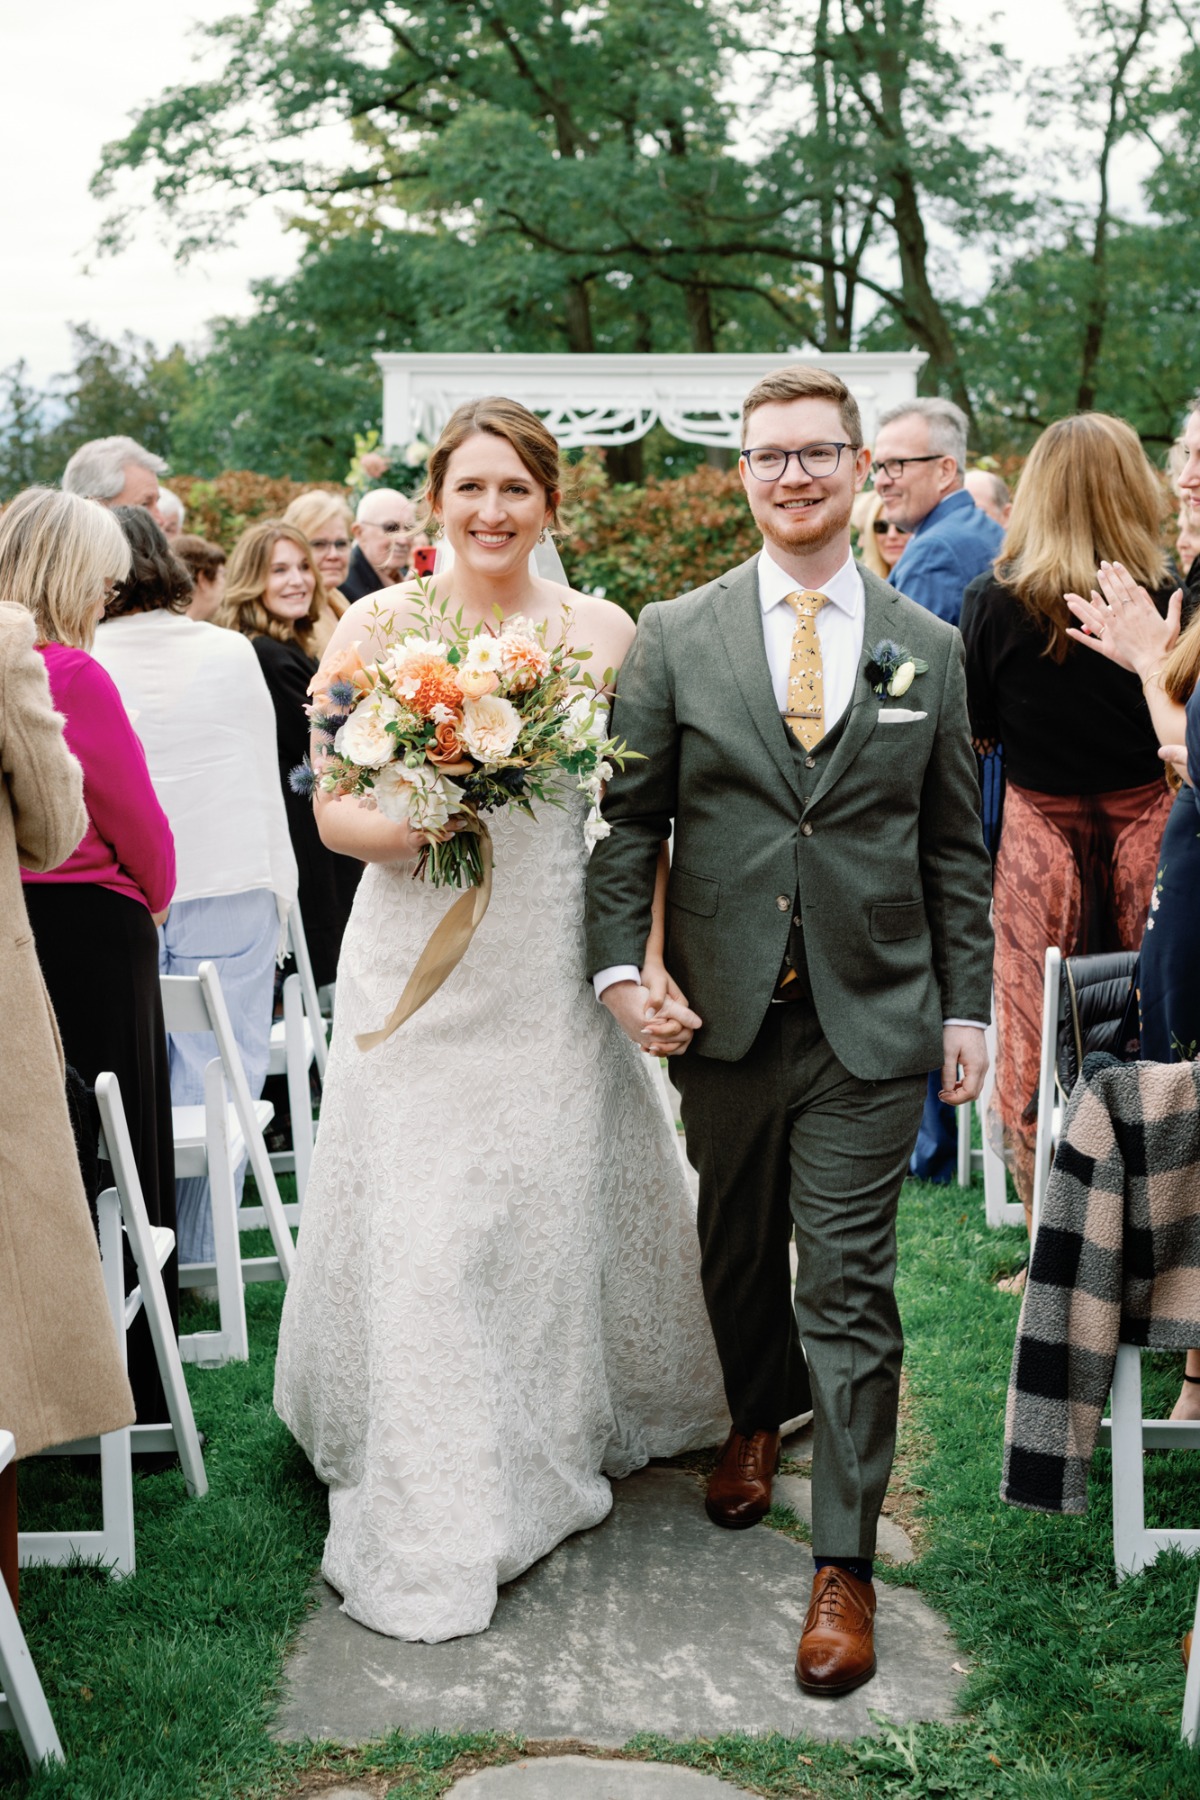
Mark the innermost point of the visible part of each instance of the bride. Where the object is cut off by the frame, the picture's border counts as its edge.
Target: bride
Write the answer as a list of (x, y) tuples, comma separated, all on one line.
[(497, 1298)]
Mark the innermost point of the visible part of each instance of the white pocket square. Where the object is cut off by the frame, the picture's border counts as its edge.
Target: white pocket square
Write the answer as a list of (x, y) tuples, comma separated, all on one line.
[(898, 715)]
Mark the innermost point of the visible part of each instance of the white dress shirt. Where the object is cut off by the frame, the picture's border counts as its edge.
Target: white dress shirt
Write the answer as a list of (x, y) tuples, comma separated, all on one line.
[(199, 704), (840, 628)]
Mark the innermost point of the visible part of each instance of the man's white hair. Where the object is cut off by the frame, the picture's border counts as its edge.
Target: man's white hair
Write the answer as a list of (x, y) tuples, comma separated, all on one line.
[(376, 503), (171, 506), (97, 469), (947, 426)]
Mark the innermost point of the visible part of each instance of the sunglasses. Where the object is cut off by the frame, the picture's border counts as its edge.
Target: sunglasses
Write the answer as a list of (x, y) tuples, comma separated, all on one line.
[(881, 527)]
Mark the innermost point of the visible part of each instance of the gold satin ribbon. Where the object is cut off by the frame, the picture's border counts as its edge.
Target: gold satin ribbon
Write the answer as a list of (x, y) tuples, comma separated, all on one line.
[(446, 948)]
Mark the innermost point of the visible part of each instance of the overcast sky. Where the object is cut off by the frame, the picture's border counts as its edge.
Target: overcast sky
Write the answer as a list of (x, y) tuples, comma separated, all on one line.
[(75, 70)]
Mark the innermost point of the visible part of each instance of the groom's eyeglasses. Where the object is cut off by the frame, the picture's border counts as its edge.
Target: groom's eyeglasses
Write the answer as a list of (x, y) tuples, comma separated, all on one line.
[(815, 459)]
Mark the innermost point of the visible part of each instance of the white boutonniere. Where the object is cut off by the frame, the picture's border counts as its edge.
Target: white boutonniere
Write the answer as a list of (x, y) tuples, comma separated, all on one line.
[(891, 669)]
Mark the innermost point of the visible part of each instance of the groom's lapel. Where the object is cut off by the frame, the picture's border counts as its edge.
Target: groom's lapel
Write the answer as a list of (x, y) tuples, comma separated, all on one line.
[(740, 622), (863, 714)]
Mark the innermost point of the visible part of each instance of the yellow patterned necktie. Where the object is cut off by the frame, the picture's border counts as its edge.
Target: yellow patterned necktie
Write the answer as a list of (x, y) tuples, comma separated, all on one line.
[(806, 679)]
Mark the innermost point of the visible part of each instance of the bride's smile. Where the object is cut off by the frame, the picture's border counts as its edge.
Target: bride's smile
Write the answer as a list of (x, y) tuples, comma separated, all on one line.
[(491, 511)]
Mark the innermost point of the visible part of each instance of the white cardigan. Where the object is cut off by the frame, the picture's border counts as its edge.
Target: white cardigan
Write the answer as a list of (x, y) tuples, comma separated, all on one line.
[(199, 704)]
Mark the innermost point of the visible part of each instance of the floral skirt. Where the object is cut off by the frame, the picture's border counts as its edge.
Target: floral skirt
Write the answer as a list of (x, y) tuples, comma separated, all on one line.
[(1074, 871)]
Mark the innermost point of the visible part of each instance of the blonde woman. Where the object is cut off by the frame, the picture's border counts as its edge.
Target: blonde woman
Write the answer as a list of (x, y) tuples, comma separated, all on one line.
[(1085, 801), (1122, 623), (274, 595), (93, 917), (881, 542), (325, 520)]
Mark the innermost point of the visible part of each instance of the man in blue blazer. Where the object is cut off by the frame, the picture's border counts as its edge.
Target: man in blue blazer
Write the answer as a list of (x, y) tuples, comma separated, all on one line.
[(920, 465)]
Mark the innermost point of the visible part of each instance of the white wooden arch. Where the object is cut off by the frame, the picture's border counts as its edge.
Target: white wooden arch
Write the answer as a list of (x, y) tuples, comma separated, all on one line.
[(615, 399)]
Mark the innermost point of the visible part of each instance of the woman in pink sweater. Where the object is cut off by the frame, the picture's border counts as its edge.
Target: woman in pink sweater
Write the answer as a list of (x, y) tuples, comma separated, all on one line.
[(94, 916)]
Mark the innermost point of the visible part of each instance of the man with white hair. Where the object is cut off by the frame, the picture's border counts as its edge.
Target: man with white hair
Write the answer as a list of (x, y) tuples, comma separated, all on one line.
[(990, 494), (170, 512), (116, 471), (920, 461), (384, 528)]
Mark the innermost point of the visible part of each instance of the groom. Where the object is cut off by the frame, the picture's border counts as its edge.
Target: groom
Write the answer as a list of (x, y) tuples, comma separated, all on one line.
[(804, 729)]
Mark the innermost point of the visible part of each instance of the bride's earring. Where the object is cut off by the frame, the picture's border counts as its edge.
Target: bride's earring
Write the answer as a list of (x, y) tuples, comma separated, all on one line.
[(436, 533), (545, 535)]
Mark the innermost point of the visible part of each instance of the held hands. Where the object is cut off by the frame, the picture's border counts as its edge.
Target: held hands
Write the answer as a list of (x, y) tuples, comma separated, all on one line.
[(654, 1014), (1123, 623), (964, 1064)]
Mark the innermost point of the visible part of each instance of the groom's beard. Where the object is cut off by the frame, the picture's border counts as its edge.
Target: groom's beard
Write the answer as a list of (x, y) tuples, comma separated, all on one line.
[(804, 530)]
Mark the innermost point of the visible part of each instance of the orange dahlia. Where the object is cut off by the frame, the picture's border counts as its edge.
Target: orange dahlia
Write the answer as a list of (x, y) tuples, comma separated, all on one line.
[(429, 681)]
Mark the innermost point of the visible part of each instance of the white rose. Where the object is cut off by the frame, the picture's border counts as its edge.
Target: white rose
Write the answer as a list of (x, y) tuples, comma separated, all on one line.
[(902, 680), (418, 797), (490, 728), (363, 739)]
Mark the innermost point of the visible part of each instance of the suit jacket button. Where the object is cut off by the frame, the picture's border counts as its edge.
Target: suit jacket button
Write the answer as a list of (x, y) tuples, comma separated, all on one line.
[(806, 829), (782, 902), (810, 762)]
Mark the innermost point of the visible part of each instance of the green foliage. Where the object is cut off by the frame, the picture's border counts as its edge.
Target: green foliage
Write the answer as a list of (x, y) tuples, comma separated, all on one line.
[(635, 544)]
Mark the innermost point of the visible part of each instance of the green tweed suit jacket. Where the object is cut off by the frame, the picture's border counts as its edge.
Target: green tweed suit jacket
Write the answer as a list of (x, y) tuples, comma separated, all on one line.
[(881, 841)]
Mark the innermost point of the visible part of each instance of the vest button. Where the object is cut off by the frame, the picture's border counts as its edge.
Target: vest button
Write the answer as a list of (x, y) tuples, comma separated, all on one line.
[(810, 762), (782, 902), (806, 829)]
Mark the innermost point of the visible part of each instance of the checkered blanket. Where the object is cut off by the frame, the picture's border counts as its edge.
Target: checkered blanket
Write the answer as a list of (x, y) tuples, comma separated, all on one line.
[(1117, 1259)]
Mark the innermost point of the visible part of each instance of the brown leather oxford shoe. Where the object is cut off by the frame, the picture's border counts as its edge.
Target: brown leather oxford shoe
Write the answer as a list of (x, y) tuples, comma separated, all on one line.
[(837, 1647), (739, 1488)]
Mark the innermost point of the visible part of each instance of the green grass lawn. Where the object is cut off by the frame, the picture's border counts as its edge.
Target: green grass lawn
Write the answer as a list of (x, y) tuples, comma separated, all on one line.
[(162, 1685)]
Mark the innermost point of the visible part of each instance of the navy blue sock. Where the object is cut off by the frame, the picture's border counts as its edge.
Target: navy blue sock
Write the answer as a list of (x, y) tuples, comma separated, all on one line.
[(861, 1567)]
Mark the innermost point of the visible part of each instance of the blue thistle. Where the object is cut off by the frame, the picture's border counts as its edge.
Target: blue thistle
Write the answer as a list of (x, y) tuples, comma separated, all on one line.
[(302, 780), (341, 695)]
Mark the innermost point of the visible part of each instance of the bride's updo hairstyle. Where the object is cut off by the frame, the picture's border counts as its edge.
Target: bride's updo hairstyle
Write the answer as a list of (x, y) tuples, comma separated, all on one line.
[(536, 446)]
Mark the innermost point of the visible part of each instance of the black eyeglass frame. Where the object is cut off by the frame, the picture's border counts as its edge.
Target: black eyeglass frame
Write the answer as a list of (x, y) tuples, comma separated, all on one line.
[(787, 455), (893, 468)]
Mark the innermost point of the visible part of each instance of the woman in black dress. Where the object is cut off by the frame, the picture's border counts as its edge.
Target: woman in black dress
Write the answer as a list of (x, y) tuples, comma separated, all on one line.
[(273, 596)]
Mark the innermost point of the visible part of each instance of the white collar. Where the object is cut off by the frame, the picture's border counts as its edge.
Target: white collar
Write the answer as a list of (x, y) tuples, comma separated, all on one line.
[(844, 590)]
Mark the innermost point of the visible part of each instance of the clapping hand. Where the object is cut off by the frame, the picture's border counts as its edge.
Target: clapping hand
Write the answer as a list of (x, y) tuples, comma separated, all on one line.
[(1123, 623)]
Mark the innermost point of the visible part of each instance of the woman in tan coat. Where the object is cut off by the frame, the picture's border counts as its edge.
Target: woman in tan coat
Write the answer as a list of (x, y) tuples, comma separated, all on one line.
[(61, 1372)]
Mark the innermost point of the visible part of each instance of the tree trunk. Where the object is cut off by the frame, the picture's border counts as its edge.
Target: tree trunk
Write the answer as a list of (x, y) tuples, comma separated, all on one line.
[(579, 319)]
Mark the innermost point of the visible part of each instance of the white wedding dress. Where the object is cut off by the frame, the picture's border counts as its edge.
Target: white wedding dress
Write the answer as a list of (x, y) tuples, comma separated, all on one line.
[(497, 1296)]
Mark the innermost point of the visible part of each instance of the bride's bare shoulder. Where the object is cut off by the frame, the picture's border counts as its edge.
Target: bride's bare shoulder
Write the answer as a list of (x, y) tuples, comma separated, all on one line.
[(376, 617), (596, 621)]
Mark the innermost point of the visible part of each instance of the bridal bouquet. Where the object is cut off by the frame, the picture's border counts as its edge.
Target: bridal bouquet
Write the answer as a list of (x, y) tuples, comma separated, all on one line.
[(450, 723)]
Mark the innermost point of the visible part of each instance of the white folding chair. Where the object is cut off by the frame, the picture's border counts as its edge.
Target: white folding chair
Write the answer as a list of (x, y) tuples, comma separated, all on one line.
[(998, 1209), (1130, 1435), (297, 1042), (23, 1706), (122, 1208), (211, 1140), (1049, 1114)]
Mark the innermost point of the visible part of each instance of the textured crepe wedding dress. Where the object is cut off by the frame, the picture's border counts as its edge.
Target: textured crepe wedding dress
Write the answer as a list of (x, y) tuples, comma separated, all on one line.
[(497, 1296)]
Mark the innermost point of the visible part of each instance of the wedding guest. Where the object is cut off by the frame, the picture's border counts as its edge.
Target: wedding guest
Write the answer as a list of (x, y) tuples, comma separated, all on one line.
[(116, 471), (325, 520), (1085, 801), (1187, 540), (274, 596), (385, 528), (61, 1374), (920, 461), (205, 563), (170, 512), (990, 494), (94, 916), (207, 725), (1122, 623), (881, 543)]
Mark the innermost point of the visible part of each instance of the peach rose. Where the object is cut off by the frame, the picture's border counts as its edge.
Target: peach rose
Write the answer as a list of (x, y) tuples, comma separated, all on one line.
[(475, 683), (347, 665), (374, 465), (446, 751)]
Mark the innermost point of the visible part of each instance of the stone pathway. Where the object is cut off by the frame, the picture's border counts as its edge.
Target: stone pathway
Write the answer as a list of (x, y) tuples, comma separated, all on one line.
[(655, 1621), (583, 1778)]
